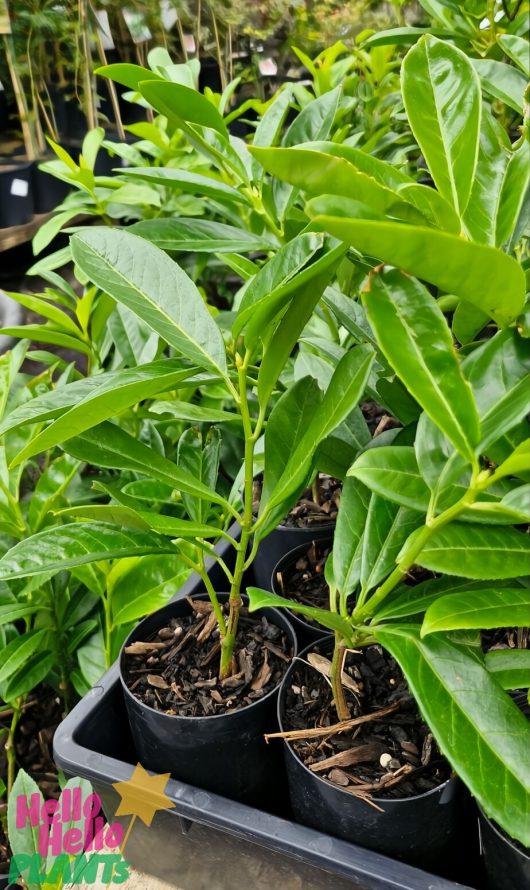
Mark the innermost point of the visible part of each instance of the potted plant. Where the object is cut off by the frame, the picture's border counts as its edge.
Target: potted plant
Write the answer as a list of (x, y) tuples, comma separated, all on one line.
[(428, 526), (106, 256)]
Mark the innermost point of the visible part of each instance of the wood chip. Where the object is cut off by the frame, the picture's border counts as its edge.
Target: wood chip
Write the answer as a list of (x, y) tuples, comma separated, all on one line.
[(208, 628), (202, 607), (263, 676), (233, 680), (157, 682), (426, 750), (217, 697), (338, 777), (144, 648), (318, 731), (360, 754), (276, 650), (323, 665)]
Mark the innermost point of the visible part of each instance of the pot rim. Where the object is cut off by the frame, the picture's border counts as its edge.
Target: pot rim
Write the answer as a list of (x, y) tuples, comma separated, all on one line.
[(292, 752), (290, 629), (301, 619)]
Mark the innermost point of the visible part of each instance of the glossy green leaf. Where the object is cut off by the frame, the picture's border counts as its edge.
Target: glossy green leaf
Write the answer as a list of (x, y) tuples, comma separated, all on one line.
[(269, 127), (478, 741), (341, 397), (108, 400), (315, 120), (387, 528), (19, 650), (482, 275), (480, 217), (392, 472), (157, 377), (406, 601), (319, 173), (45, 333), (198, 455), (61, 548), (310, 286), (147, 584), (347, 540), (134, 340), (60, 320), (413, 335), (287, 423), (199, 236), (514, 197), (146, 280), (271, 286), (111, 447), (179, 102), (510, 667), (127, 75), (482, 609), (15, 611), (164, 411), (476, 551), (517, 49), (187, 181), (502, 81), (29, 676), (441, 92), (264, 599)]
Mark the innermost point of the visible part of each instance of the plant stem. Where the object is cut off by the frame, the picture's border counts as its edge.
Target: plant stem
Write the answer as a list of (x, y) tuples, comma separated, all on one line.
[(246, 520), (335, 675), (11, 756)]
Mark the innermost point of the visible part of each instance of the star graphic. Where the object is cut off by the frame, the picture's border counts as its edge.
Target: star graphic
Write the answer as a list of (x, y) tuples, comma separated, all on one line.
[(143, 795)]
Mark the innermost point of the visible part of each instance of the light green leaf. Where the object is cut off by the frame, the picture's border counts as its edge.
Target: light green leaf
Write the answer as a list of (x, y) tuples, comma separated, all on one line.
[(413, 335), (263, 599), (199, 236), (147, 281), (482, 275), (502, 81), (180, 103), (148, 584), (441, 92), (517, 49), (187, 181)]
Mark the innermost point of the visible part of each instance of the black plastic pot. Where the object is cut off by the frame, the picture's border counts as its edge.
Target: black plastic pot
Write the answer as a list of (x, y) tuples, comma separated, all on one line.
[(209, 841), (507, 867), (421, 830), (225, 753), (306, 631), (280, 542), (16, 196), (48, 192)]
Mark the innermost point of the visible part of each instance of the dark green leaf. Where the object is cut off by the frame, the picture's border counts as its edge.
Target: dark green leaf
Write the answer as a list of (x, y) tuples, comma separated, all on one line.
[(482, 609)]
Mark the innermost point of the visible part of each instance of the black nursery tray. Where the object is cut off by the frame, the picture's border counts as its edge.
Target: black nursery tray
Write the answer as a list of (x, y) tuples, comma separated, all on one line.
[(210, 841)]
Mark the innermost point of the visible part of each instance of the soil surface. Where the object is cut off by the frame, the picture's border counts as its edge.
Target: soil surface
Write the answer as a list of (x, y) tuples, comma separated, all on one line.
[(392, 755), (303, 579), (377, 419), (317, 506), (176, 671)]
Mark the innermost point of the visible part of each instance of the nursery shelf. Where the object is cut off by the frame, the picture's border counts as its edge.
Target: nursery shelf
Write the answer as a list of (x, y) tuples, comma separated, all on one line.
[(15, 235)]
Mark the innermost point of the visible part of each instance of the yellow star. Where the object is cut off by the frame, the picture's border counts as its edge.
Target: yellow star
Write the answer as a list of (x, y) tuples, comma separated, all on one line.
[(143, 795)]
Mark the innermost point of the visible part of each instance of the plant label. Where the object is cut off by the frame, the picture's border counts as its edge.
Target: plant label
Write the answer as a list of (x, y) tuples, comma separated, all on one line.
[(19, 188)]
